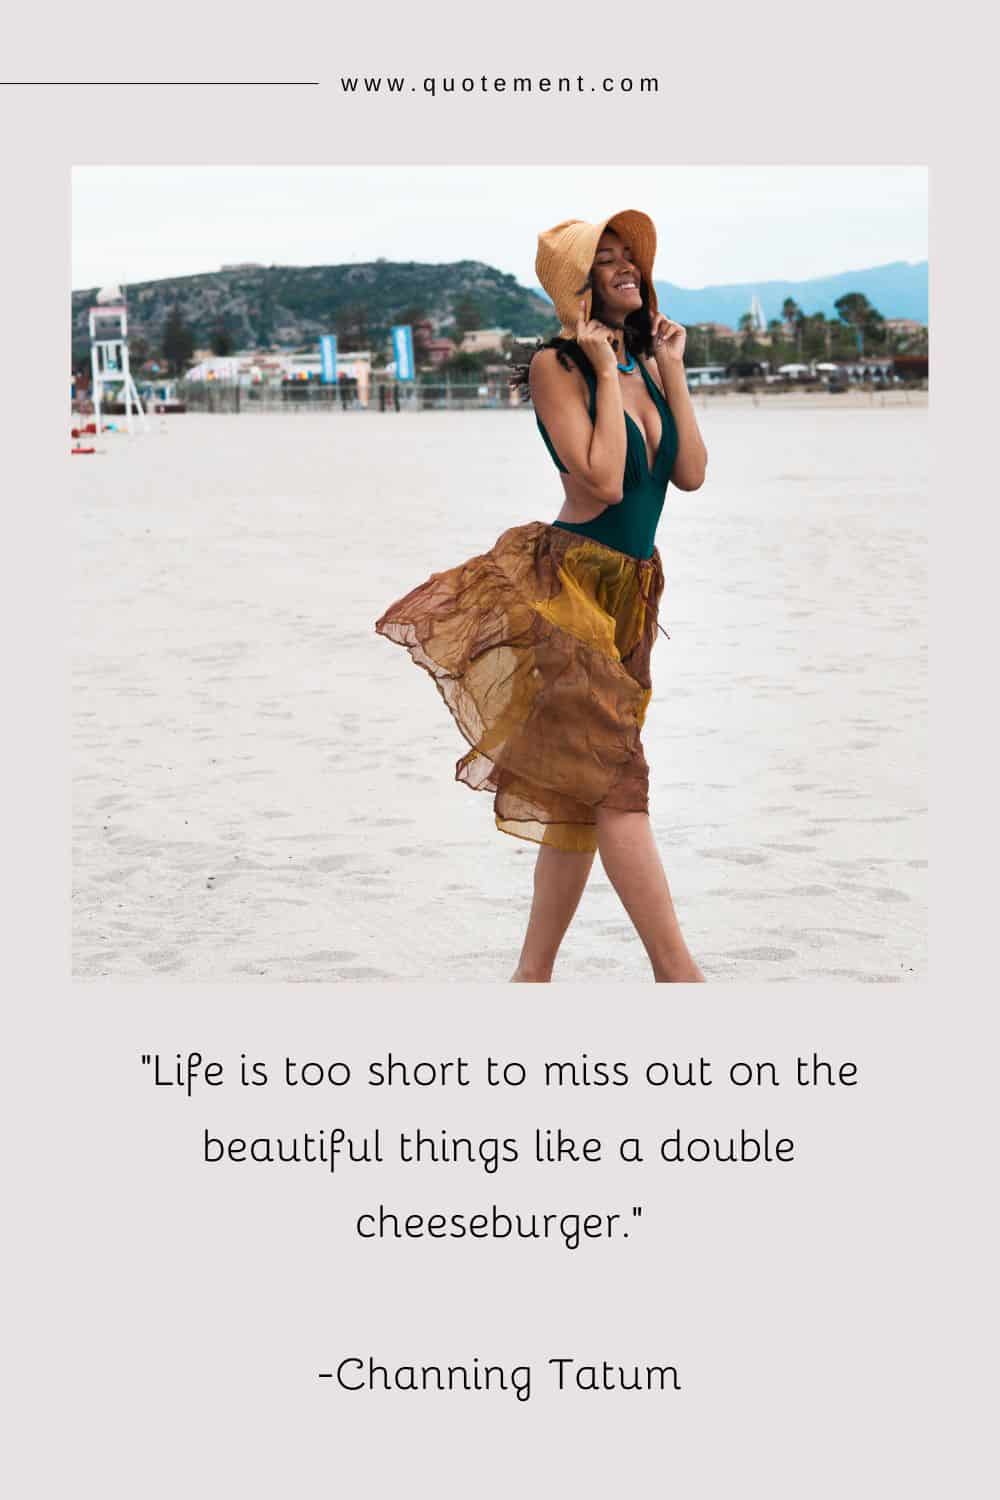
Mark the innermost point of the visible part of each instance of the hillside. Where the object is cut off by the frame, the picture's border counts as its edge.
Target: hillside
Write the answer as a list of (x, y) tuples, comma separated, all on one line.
[(294, 304), (290, 305)]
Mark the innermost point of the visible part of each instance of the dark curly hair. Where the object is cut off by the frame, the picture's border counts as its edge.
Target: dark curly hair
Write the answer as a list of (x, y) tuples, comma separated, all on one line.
[(638, 331)]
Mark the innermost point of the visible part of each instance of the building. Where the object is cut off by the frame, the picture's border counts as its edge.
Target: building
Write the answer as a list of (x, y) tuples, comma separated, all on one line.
[(437, 351), (699, 376), (481, 340), (718, 331), (904, 325), (308, 367), (255, 368)]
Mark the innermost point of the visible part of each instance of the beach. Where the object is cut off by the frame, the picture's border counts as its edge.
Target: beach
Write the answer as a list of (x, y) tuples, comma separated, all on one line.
[(263, 788)]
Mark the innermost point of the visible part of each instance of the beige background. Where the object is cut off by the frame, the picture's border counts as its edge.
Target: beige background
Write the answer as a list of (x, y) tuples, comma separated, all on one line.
[(161, 1337), (814, 1310)]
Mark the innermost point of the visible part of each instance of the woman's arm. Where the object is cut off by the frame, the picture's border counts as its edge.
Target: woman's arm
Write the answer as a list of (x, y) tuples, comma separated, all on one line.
[(692, 456), (593, 452)]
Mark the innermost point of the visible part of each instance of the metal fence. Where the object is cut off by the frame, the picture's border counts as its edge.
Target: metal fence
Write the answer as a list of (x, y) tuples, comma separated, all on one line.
[(223, 397), (220, 397)]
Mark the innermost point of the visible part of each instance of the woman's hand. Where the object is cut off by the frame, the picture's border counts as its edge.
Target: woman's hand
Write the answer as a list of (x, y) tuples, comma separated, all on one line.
[(594, 339), (669, 339)]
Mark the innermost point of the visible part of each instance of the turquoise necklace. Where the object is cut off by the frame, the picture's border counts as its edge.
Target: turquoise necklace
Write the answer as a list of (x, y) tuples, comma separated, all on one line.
[(626, 369)]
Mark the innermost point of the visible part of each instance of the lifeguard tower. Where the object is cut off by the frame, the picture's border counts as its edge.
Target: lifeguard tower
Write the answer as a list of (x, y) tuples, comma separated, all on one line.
[(109, 362)]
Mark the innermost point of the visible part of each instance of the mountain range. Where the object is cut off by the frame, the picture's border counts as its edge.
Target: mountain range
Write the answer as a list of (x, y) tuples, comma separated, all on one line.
[(260, 306), (898, 289)]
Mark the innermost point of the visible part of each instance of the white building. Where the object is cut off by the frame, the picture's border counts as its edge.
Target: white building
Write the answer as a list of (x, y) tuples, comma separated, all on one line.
[(699, 376), (274, 369), (481, 340)]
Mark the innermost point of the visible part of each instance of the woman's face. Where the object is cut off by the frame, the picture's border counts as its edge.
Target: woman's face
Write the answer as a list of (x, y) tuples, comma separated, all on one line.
[(617, 282)]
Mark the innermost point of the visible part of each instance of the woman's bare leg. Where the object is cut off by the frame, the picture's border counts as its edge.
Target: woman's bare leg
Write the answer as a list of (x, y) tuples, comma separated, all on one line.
[(559, 881), (632, 862)]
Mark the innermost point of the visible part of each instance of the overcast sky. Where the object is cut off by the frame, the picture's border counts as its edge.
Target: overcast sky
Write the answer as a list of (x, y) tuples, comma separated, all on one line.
[(715, 224)]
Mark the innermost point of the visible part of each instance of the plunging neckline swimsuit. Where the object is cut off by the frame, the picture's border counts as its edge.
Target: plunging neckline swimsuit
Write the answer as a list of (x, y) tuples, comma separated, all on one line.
[(630, 526)]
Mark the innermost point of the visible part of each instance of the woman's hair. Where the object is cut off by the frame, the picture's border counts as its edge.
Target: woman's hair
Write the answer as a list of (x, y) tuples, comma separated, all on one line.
[(638, 331)]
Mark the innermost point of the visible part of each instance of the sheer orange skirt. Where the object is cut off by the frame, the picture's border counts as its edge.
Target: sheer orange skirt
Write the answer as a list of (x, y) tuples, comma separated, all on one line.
[(540, 648)]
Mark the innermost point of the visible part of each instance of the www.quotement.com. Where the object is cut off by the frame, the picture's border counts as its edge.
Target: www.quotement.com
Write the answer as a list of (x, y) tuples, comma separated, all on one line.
[(453, 84)]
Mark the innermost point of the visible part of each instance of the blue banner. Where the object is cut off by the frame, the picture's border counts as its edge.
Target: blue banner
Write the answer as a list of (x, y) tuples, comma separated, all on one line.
[(328, 358), (402, 349)]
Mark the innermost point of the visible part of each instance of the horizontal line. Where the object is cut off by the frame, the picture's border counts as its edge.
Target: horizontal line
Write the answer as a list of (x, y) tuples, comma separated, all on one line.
[(159, 83)]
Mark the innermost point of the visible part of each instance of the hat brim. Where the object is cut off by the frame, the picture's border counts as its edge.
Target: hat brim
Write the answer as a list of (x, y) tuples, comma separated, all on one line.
[(640, 231)]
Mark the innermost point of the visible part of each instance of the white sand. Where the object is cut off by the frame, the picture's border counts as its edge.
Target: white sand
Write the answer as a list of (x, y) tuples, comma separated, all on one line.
[(264, 787)]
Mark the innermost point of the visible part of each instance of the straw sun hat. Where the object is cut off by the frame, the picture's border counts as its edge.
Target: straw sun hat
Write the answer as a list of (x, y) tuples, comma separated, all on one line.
[(566, 253)]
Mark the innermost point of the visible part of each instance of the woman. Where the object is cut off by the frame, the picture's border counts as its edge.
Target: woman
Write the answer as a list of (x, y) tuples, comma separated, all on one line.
[(540, 647)]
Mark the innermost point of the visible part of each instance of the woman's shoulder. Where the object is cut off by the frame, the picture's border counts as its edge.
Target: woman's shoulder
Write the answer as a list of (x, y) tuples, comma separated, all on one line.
[(558, 368)]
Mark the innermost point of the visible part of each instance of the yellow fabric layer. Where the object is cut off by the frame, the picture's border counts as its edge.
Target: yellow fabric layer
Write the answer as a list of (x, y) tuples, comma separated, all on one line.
[(540, 648)]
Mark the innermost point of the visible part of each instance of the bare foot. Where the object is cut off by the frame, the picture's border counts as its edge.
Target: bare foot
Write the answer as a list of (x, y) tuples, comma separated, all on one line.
[(525, 976), (684, 972)]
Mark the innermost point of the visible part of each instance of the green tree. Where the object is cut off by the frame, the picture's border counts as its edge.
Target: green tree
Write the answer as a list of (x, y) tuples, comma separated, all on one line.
[(858, 313), (748, 343), (265, 319), (221, 339), (814, 337), (352, 328), (795, 319), (177, 342), (467, 315), (701, 346), (463, 363)]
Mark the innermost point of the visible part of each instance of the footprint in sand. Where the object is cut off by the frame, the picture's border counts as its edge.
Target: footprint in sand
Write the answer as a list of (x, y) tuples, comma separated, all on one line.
[(329, 956), (771, 955), (327, 862), (735, 856), (856, 974), (362, 972), (738, 893), (166, 961)]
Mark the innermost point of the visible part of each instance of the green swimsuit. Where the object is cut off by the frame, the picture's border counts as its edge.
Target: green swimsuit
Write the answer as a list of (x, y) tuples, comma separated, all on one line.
[(630, 526)]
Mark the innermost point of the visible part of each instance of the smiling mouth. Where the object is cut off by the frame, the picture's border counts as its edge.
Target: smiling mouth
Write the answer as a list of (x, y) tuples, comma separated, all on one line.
[(626, 286)]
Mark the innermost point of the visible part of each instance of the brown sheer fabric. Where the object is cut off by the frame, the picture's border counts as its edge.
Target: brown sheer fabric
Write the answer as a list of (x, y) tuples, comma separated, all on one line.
[(540, 648)]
